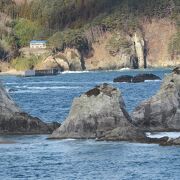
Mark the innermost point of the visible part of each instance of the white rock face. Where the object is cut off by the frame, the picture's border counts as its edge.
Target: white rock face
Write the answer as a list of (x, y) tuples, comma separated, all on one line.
[(95, 114), (139, 48)]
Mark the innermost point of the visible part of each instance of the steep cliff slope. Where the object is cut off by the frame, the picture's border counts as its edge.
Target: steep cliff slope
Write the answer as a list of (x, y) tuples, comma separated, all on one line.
[(158, 34), (148, 46)]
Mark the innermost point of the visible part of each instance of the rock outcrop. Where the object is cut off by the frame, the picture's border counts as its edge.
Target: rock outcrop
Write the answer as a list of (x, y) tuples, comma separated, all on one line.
[(139, 47), (162, 111), (14, 121), (99, 113), (171, 142), (158, 35), (144, 77), (116, 51), (69, 60), (136, 79)]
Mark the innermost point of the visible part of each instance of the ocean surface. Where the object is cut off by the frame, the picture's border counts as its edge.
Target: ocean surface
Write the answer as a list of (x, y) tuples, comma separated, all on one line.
[(50, 98)]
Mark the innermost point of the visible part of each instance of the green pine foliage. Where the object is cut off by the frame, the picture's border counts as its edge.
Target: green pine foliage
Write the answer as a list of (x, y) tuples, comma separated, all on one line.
[(26, 30)]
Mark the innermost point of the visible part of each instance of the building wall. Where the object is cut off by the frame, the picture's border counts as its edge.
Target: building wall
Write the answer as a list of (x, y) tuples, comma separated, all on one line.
[(36, 45)]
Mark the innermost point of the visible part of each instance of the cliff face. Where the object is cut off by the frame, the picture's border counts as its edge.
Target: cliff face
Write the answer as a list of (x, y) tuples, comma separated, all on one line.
[(149, 46), (158, 35), (146, 47), (69, 60), (110, 51), (104, 57)]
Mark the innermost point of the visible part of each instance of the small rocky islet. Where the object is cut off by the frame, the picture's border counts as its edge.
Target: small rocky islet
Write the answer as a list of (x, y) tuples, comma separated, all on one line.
[(101, 114), (136, 79)]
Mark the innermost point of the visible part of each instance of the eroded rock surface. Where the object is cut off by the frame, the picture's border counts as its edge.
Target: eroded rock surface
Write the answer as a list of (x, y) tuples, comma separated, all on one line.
[(99, 113), (14, 121), (69, 60), (171, 142), (162, 111)]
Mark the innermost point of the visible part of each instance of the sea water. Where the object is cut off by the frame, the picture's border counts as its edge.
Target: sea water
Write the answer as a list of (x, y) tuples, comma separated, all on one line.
[(50, 98)]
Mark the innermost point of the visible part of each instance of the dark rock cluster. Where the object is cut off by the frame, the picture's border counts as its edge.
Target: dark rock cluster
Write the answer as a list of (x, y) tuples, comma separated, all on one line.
[(136, 79), (100, 114)]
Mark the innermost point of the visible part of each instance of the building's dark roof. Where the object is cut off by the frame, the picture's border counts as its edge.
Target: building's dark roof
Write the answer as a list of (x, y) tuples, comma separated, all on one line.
[(37, 41)]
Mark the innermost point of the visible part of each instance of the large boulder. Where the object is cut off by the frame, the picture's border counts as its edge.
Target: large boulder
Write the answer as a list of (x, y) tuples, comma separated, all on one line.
[(14, 121), (162, 111), (99, 113)]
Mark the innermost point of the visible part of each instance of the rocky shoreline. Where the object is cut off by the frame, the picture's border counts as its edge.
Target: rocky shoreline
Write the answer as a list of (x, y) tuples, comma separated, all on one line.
[(101, 114), (13, 72)]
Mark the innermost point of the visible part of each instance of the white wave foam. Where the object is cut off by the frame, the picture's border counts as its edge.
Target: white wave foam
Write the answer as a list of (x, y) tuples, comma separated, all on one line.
[(157, 80), (124, 69), (162, 134), (75, 72), (58, 82), (11, 83), (115, 70), (25, 89), (70, 139), (54, 87)]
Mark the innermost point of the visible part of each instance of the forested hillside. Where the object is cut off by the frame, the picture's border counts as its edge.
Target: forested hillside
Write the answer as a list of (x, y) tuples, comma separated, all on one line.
[(79, 24)]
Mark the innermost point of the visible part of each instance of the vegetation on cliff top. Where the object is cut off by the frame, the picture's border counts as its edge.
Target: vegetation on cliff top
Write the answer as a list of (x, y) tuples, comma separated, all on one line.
[(74, 23), (23, 63)]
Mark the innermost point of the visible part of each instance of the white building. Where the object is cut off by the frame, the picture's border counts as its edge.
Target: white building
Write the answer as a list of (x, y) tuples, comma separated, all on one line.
[(38, 44)]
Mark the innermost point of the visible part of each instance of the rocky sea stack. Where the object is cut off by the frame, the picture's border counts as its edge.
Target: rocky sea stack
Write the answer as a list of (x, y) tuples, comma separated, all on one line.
[(99, 114), (162, 111), (136, 79), (14, 121)]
